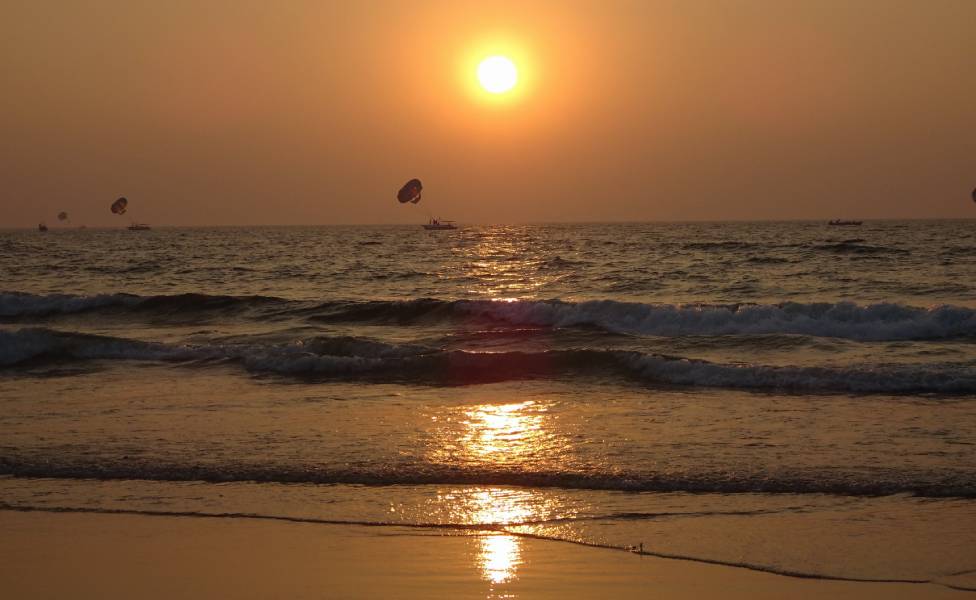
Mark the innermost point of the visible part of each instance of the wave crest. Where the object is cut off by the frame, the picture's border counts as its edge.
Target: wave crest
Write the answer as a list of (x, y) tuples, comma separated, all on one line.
[(367, 359), (847, 320)]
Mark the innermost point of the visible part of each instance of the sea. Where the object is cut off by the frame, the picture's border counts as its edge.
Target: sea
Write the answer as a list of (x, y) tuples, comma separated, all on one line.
[(789, 397)]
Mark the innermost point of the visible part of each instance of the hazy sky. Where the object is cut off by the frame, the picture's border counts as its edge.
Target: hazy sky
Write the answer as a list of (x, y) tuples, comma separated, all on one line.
[(313, 112)]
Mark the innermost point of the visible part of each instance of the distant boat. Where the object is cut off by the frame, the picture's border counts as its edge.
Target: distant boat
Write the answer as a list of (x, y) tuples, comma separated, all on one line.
[(843, 222), (139, 227), (41, 227), (437, 224)]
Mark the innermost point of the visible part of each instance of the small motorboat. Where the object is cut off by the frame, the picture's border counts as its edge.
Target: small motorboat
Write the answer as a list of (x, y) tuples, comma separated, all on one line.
[(41, 227), (842, 222), (438, 224), (139, 227)]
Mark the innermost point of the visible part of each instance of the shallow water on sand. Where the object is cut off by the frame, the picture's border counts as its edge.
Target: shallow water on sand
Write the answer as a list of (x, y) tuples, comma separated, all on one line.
[(782, 396)]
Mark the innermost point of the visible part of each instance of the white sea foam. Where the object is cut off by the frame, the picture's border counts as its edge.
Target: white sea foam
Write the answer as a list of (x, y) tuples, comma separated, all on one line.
[(33, 343), (873, 322), (352, 357)]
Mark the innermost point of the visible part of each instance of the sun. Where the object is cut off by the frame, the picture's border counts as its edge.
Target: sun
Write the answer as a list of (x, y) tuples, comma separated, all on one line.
[(497, 74)]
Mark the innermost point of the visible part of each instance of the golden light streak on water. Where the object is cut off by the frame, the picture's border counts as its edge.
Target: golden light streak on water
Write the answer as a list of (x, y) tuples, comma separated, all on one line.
[(499, 557), (502, 432)]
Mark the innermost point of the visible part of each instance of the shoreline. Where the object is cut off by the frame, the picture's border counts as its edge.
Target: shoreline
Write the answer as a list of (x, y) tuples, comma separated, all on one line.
[(96, 555)]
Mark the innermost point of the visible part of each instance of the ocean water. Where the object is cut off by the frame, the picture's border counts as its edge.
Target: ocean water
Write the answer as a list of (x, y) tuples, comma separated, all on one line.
[(789, 397)]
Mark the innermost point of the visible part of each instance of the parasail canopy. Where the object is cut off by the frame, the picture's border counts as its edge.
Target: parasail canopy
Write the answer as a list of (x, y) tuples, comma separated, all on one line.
[(119, 206), (410, 192), (62, 216)]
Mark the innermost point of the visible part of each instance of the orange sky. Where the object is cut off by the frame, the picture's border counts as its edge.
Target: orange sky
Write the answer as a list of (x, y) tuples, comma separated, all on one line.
[(311, 112)]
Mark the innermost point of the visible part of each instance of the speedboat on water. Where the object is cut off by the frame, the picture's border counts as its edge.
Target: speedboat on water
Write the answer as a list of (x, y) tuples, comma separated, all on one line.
[(843, 222), (139, 227), (41, 227), (437, 224)]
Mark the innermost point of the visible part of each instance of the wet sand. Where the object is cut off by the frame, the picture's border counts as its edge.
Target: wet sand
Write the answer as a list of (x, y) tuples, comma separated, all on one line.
[(45, 555)]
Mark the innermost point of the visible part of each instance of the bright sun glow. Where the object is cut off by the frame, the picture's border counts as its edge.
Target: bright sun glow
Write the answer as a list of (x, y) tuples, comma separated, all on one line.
[(497, 74)]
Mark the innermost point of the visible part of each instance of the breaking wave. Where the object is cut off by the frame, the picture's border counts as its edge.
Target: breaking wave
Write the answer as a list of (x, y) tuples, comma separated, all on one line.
[(874, 322), (360, 358)]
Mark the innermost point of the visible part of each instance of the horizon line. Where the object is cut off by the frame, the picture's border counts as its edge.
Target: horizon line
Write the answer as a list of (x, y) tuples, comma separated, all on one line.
[(488, 224)]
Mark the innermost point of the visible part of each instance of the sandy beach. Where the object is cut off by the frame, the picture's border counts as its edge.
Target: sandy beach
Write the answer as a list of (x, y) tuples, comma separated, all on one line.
[(45, 555)]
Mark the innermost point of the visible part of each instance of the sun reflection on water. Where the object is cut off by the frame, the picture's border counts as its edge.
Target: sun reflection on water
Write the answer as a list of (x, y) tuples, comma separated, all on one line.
[(499, 555), (499, 438), (506, 262), (498, 558), (504, 432)]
